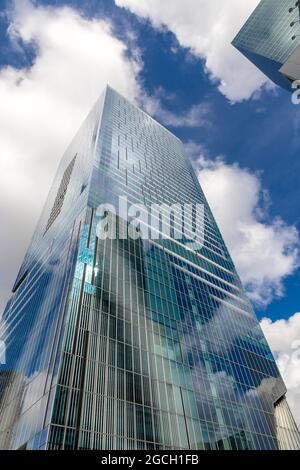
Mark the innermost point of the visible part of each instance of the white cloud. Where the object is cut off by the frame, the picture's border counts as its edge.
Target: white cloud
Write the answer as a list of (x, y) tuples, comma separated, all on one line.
[(196, 116), (284, 339), (207, 27), (265, 251), (42, 107)]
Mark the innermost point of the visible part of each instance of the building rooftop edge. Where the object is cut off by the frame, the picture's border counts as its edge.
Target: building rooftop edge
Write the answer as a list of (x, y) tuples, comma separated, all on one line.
[(108, 86)]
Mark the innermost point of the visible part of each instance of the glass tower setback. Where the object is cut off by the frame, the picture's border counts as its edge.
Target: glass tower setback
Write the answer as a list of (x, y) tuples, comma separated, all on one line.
[(270, 36), (133, 343)]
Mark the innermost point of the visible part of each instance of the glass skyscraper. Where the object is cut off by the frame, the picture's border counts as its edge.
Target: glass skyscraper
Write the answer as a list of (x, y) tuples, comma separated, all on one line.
[(133, 343), (270, 39)]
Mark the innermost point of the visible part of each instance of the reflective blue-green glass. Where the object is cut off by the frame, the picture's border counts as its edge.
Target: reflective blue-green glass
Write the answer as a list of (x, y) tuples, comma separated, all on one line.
[(270, 36), (132, 343)]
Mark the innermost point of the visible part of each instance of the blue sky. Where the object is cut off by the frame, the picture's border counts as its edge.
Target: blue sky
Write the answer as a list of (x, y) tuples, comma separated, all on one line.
[(260, 134), (250, 136)]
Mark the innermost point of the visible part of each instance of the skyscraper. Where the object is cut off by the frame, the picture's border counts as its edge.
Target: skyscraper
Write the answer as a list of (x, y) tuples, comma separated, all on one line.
[(141, 341), (270, 39)]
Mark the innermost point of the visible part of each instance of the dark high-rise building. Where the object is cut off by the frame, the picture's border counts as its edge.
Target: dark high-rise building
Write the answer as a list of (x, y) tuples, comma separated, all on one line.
[(270, 39), (145, 341)]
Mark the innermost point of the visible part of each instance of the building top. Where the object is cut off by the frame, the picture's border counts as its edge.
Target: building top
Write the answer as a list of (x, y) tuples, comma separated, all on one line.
[(141, 110), (270, 36)]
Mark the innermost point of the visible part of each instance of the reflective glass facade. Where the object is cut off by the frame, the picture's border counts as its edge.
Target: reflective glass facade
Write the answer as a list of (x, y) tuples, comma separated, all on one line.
[(132, 344), (270, 36)]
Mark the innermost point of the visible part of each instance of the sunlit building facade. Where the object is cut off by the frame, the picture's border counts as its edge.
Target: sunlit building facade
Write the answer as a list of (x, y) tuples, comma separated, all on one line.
[(133, 343), (270, 39)]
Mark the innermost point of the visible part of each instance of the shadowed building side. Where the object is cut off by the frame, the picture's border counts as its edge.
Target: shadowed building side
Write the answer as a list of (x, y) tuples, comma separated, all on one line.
[(270, 39)]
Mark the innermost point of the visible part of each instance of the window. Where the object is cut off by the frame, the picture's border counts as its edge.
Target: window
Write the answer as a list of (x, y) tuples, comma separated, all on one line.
[(61, 193)]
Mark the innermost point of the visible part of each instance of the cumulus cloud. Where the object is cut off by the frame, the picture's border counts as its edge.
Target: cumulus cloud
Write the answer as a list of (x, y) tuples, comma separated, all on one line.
[(43, 105), (265, 251), (197, 116), (207, 29), (284, 339)]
